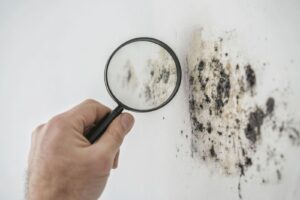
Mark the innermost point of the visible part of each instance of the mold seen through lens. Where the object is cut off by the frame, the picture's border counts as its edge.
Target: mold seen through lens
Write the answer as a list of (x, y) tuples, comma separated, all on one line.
[(158, 80)]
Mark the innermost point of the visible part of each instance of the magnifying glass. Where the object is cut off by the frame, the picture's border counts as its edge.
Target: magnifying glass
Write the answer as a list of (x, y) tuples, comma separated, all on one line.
[(141, 75)]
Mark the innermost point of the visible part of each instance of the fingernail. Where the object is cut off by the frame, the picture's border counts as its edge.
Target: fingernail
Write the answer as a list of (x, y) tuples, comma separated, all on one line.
[(127, 121)]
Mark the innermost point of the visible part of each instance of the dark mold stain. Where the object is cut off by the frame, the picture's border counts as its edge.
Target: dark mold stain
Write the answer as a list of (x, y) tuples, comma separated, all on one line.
[(250, 76), (248, 161), (216, 48), (281, 128), (201, 66), (294, 135), (209, 128), (207, 99), (223, 90), (212, 151), (253, 128), (241, 166), (148, 93), (152, 73), (198, 126), (129, 75), (164, 76), (240, 190), (278, 173), (270, 105)]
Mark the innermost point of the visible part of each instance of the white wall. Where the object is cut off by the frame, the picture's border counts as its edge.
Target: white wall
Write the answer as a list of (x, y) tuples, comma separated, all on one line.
[(52, 56)]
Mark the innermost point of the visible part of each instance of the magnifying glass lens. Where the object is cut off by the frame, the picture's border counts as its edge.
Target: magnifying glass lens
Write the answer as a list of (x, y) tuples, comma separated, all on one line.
[(141, 75)]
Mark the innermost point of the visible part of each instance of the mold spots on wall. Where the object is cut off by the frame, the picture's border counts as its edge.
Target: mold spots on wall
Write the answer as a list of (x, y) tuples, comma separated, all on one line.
[(217, 87), (228, 124)]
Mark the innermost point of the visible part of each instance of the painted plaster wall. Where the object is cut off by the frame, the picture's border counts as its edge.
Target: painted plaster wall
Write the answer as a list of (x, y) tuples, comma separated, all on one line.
[(52, 56)]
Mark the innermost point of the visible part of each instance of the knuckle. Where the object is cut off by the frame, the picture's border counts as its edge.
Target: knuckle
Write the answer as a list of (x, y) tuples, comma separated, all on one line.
[(37, 130), (58, 123), (91, 101), (97, 104)]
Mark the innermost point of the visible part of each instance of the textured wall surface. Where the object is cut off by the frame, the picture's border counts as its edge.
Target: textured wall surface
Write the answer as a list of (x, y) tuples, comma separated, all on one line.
[(207, 143)]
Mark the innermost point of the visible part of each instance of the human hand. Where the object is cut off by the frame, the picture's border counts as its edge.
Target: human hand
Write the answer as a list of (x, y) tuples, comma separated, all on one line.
[(63, 164)]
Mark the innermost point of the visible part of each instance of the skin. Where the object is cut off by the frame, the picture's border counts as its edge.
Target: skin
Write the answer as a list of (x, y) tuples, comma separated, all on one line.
[(63, 164)]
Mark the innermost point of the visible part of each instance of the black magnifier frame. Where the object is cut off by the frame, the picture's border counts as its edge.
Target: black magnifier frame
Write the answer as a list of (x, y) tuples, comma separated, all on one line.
[(164, 46), (96, 132)]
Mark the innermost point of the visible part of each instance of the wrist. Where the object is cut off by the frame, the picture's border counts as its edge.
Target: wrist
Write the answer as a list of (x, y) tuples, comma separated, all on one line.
[(47, 188)]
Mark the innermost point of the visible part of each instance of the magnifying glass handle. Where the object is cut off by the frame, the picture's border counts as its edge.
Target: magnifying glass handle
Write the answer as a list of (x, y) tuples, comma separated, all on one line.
[(96, 132)]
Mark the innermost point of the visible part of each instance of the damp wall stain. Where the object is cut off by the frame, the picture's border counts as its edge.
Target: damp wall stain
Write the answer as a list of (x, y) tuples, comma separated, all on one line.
[(226, 131)]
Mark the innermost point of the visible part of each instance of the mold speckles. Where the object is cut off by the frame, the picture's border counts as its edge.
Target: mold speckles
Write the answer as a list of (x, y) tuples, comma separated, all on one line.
[(223, 89), (227, 123), (216, 115)]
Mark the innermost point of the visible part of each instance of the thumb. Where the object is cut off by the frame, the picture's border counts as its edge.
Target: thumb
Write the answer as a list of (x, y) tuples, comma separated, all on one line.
[(113, 137)]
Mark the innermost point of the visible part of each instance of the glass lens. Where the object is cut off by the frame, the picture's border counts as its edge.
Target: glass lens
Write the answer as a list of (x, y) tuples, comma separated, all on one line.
[(142, 75)]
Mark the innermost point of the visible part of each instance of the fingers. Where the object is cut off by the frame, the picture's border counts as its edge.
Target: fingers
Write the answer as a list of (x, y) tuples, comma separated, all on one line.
[(113, 137), (86, 114)]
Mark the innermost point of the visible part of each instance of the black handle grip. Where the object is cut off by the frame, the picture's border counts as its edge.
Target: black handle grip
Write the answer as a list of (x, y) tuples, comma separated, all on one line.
[(96, 132)]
